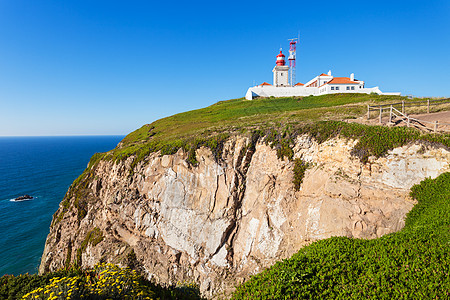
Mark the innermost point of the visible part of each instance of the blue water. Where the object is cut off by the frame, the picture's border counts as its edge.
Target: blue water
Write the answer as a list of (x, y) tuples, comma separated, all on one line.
[(43, 167)]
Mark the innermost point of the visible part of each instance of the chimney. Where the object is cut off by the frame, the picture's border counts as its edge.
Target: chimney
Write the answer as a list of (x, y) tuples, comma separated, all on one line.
[(329, 73), (352, 77)]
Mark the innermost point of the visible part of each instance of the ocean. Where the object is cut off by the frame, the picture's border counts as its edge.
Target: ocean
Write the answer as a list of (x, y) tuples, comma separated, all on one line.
[(43, 167)]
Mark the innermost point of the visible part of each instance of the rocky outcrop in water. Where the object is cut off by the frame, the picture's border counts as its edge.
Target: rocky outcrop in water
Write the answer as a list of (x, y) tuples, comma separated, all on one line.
[(24, 197), (219, 222)]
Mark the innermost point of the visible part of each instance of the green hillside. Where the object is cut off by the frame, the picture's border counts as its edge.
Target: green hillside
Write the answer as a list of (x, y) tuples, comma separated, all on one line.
[(411, 264), (239, 115)]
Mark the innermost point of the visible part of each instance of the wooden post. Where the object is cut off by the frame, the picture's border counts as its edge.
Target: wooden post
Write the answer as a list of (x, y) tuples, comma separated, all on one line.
[(407, 122), (368, 111), (390, 116), (381, 111), (435, 126), (403, 106), (428, 106)]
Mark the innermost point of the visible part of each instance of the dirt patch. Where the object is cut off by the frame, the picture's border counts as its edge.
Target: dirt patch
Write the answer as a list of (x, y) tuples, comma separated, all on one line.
[(441, 117), (425, 120)]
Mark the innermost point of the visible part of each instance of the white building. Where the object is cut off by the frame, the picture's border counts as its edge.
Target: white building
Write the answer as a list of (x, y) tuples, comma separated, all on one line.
[(280, 72), (319, 85)]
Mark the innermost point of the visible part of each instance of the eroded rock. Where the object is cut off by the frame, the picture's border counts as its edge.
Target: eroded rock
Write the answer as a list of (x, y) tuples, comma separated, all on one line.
[(220, 222)]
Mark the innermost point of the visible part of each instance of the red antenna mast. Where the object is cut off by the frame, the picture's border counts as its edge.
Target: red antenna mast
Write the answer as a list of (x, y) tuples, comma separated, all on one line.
[(291, 58)]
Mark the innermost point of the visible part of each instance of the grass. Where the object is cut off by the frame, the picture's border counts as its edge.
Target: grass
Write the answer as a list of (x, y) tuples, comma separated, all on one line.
[(239, 115), (411, 264), (239, 112)]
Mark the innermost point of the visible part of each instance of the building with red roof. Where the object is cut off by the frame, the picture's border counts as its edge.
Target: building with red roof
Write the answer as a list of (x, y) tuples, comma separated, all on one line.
[(319, 85)]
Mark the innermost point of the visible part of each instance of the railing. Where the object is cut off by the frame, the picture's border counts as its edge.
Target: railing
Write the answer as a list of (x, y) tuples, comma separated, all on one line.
[(395, 113), (403, 105)]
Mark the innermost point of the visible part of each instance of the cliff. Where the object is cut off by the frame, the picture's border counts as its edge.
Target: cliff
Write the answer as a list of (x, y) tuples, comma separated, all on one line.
[(236, 211)]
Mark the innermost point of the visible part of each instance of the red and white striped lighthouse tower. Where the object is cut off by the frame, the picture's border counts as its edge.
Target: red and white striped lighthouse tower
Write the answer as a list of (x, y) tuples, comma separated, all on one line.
[(281, 71), (280, 59)]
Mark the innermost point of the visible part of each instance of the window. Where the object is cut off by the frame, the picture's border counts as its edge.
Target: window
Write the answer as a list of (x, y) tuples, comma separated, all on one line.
[(348, 88), (337, 88), (332, 88), (353, 88)]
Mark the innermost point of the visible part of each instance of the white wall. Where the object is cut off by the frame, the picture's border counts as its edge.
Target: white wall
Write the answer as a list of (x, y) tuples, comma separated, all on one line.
[(273, 91), (323, 79), (281, 76)]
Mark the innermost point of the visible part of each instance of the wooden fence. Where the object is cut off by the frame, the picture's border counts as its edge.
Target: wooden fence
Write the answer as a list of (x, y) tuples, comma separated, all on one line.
[(395, 113), (405, 104)]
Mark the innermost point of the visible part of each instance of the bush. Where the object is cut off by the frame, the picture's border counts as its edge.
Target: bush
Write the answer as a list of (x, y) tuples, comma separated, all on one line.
[(104, 281), (300, 168)]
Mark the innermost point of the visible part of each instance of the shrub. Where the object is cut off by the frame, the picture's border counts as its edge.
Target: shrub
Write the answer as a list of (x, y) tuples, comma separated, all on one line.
[(104, 281), (300, 168), (93, 237)]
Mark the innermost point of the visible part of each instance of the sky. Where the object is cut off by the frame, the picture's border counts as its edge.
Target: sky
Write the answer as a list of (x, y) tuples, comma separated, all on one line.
[(89, 67)]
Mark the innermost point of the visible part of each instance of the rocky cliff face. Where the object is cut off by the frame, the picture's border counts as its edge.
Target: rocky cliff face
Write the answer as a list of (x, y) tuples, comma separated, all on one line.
[(219, 222)]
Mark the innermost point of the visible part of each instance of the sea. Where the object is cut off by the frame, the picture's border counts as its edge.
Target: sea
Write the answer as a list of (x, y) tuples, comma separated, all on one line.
[(44, 168)]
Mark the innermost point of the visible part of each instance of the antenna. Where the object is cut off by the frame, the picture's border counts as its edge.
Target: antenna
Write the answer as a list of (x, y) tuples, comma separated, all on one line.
[(292, 57)]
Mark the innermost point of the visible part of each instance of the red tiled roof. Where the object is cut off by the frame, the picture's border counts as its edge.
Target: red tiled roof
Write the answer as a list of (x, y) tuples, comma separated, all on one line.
[(323, 74), (265, 83), (342, 80), (298, 84)]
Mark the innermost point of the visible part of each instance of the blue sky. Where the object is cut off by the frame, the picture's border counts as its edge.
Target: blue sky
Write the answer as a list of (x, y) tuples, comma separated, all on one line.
[(109, 67)]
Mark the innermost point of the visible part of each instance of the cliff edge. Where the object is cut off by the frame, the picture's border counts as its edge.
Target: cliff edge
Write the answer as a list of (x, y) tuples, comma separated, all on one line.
[(231, 215)]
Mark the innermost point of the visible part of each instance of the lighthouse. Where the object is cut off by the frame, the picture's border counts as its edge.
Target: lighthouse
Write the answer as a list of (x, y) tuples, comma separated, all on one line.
[(322, 84), (281, 71)]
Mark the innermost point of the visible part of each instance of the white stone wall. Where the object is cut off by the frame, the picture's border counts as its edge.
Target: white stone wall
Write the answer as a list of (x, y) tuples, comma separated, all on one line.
[(273, 91)]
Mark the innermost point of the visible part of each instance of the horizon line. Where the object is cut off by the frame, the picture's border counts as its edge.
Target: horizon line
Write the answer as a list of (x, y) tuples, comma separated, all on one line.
[(61, 135)]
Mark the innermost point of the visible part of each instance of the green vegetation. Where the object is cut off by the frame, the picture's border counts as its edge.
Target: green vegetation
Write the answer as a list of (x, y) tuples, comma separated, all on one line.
[(92, 238), (299, 172), (14, 287), (211, 125), (411, 264), (372, 140), (282, 140), (79, 191), (104, 281), (68, 255), (238, 115)]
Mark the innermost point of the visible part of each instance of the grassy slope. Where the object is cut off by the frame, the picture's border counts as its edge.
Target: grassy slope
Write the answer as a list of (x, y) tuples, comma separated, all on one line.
[(239, 115), (411, 264)]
